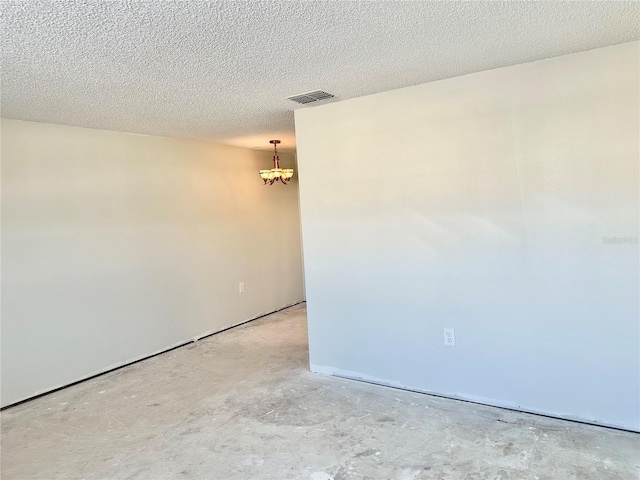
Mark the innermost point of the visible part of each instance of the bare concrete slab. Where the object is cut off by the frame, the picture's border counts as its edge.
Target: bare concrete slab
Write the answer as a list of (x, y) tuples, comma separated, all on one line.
[(243, 405)]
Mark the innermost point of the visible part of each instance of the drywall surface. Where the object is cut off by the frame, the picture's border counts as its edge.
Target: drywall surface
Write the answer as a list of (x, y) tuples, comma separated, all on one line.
[(116, 246), (503, 205)]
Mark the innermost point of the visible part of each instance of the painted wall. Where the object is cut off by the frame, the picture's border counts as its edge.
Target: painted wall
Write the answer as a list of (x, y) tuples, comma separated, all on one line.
[(481, 203), (116, 246)]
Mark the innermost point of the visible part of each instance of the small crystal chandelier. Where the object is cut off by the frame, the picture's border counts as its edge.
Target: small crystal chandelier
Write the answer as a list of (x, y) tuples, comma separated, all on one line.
[(276, 173)]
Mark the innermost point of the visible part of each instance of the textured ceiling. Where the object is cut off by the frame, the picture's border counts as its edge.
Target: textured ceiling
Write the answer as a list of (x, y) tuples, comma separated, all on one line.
[(220, 71)]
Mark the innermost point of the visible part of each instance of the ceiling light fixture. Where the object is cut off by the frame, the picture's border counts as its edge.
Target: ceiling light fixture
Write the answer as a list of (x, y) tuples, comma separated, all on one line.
[(276, 173)]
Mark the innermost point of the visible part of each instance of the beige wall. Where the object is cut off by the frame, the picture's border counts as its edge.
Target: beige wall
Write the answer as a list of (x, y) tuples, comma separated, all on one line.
[(116, 246), (481, 203)]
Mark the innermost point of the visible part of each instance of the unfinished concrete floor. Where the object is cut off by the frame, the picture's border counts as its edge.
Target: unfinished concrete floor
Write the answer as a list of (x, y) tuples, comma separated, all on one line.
[(242, 405)]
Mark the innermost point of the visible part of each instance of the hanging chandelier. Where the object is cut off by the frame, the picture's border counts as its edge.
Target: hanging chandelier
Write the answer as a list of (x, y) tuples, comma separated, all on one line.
[(276, 173)]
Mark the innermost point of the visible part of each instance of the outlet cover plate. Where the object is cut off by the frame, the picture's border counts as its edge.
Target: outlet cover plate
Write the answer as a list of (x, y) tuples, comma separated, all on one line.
[(449, 337)]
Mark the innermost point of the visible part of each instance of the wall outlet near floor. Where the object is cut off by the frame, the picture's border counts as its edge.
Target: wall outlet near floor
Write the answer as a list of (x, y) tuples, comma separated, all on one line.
[(241, 287), (449, 337)]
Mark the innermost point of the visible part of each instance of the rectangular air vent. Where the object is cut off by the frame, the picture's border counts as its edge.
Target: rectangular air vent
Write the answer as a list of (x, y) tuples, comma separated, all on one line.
[(310, 97)]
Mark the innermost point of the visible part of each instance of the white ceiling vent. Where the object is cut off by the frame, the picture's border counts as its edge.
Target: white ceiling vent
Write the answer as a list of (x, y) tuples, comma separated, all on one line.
[(310, 97)]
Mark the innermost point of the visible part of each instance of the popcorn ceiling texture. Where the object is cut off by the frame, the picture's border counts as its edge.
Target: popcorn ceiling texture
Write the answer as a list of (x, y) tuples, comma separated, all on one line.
[(220, 71)]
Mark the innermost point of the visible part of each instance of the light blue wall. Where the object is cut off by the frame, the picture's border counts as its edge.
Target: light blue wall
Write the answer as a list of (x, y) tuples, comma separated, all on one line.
[(480, 203)]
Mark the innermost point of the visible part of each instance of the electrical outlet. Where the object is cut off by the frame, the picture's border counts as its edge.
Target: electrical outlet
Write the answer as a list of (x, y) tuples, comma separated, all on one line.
[(449, 337), (241, 287)]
